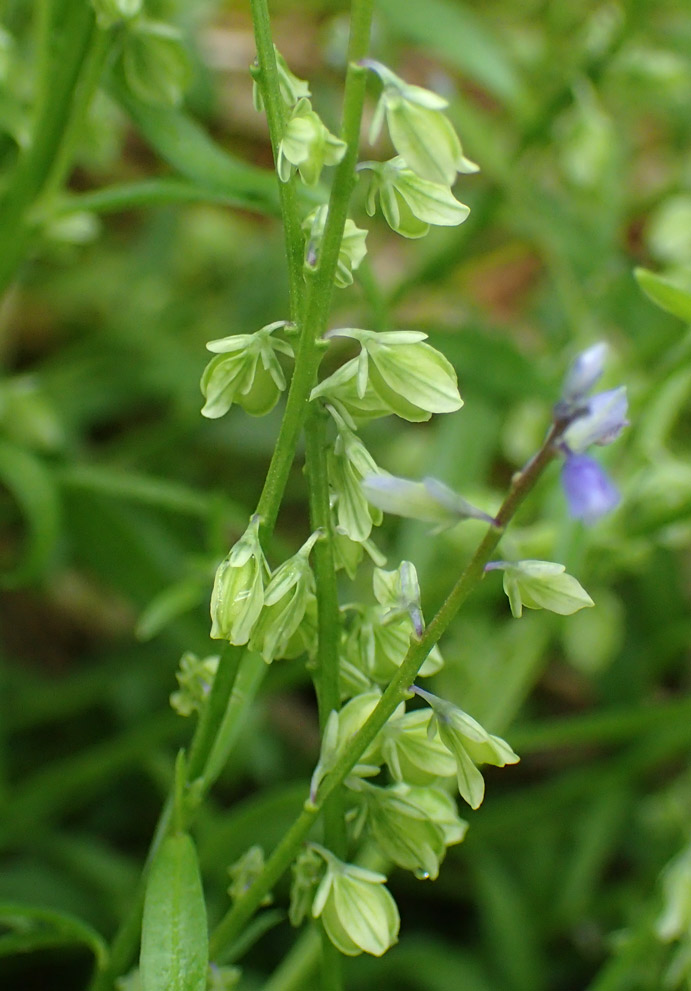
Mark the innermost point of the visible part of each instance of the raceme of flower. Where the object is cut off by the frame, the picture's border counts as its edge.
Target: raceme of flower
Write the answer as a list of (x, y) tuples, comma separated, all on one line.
[(409, 203), (238, 593), (351, 251), (358, 913), (245, 371), (429, 500), (307, 145), (469, 743), (395, 372), (421, 134), (291, 88), (590, 420), (541, 585)]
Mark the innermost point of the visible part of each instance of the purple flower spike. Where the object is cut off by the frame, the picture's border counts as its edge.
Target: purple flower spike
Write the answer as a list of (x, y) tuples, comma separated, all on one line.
[(589, 492)]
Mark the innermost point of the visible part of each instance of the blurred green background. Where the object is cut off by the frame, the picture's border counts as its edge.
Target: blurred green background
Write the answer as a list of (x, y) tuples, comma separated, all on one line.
[(118, 499)]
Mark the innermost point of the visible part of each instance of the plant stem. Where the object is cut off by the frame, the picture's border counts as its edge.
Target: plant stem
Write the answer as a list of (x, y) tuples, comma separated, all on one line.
[(317, 299), (329, 630), (522, 483)]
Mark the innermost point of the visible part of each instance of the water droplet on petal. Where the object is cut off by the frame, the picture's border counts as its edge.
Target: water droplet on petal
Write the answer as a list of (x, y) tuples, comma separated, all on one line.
[(421, 875)]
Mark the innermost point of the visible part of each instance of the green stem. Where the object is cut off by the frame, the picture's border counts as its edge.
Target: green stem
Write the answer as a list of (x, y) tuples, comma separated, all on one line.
[(66, 35), (329, 631), (317, 302), (523, 482)]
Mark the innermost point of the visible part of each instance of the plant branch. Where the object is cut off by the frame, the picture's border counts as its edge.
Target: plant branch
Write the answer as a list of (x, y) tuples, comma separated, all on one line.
[(522, 483)]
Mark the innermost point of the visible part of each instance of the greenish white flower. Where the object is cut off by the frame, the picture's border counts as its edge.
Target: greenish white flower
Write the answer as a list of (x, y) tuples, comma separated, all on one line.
[(348, 553), (195, 678), (348, 463), (421, 134), (238, 593), (307, 145), (351, 251), (286, 598), (410, 752), (395, 372), (400, 830), (469, 743), (291, 88), (410, 203), (155, 64), (358, 913), (245, 371), (541, 585)]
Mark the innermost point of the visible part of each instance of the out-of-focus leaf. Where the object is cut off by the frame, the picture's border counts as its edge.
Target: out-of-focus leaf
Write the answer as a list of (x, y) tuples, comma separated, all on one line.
[(175, 942), (33, 489), (168, 605), (662, 291), (185, 146), (28, 928), (457, 34)]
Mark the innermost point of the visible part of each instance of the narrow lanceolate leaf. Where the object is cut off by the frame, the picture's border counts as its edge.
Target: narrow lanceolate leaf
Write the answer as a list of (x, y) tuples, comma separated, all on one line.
[(175, 944)]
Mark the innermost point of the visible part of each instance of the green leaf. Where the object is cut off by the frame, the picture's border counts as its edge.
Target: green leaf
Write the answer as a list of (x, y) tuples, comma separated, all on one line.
[(30, 928), (183, 144), (457, 33), (175, 945), (33, 489), (665, 294)]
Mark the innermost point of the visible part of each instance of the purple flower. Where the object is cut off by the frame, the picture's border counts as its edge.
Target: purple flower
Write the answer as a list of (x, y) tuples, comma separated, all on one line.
[(602, 420), (589, 491)]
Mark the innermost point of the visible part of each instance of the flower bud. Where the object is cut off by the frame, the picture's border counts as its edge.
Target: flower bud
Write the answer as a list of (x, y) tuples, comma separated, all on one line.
[(602, 421), (245, 371), (238, 592), (409, 203), (348, 462), (541, 585), (350, 253), (584, 373), (291, 88), (420, 132), (285, 601), (358, 913), (195, 678), (308, 870), (307, 145), (429, 500), (244, 872)]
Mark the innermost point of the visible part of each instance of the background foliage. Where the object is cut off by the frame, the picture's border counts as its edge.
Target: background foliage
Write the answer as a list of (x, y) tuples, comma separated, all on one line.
[(119, 500)]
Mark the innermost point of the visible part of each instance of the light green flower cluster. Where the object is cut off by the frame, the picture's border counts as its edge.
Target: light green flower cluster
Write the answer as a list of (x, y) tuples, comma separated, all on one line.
[(414, 189)]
